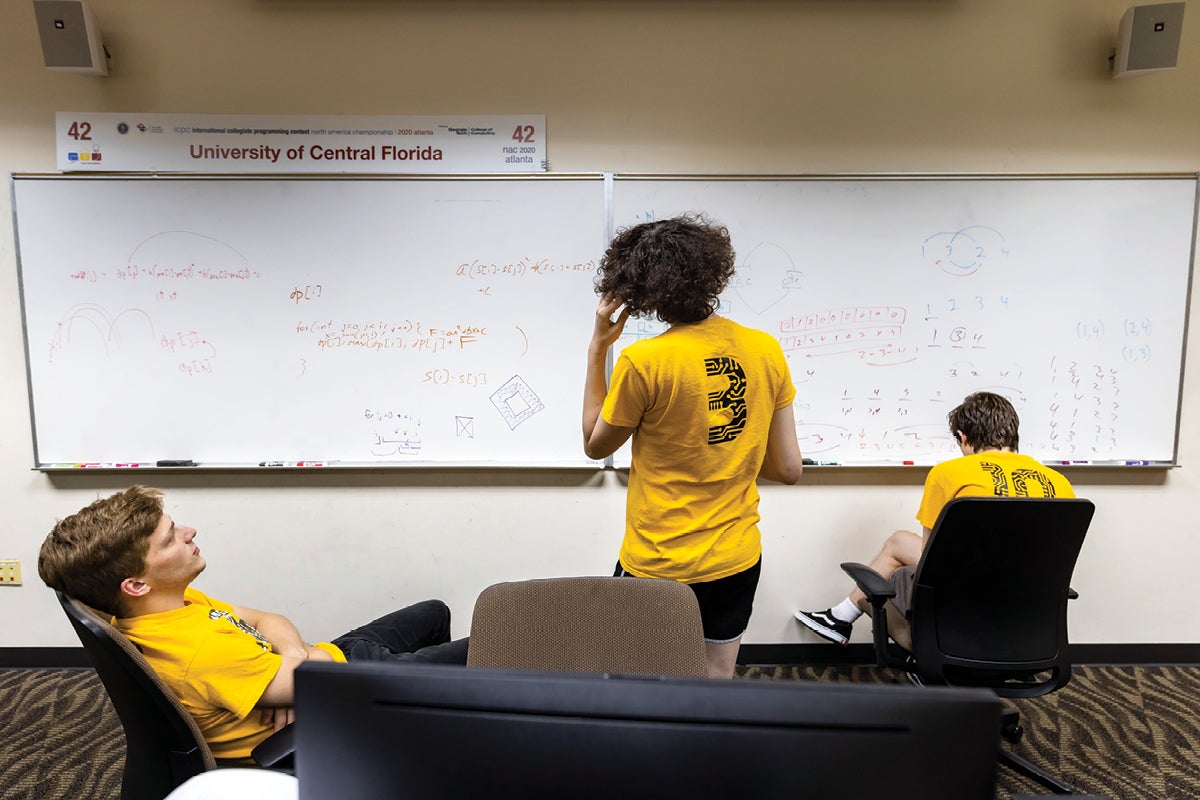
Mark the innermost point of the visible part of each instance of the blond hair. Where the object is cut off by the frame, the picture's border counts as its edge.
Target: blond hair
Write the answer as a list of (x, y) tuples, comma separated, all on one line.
[(88, 554)]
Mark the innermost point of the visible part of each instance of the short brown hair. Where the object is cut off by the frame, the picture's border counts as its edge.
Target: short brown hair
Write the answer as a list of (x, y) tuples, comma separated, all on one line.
[(987, 420), (91, 552)]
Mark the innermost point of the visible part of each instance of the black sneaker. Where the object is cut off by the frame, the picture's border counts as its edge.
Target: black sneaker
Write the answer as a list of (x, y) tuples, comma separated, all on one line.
[(825, 624)]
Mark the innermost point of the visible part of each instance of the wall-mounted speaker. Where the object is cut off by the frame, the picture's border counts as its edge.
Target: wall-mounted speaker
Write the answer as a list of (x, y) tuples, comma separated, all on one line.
[(70, 37), (1148, 39)]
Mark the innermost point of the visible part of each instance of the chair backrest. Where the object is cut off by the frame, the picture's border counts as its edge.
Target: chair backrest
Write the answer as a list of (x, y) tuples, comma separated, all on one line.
[(163, 745), (631, 626), (989, 600)]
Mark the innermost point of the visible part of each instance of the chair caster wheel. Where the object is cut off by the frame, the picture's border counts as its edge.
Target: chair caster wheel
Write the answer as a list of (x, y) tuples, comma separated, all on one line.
[(1012, 732)]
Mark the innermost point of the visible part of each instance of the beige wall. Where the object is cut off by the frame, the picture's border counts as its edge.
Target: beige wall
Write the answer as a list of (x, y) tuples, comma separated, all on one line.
[(657, 85)]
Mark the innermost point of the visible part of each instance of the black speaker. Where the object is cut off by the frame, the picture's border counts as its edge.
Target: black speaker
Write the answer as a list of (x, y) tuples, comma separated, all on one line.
[(70, 37), (1148, 40)]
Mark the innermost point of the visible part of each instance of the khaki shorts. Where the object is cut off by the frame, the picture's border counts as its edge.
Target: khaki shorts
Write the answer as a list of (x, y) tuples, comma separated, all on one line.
[(902, 581)]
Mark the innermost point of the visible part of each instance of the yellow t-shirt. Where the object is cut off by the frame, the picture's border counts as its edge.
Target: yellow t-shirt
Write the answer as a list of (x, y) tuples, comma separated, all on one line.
[(702, 396), (217, 665), (993, 473)]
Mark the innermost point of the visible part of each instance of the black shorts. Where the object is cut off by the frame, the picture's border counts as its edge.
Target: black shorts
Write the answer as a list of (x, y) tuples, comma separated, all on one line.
[(725, 604)]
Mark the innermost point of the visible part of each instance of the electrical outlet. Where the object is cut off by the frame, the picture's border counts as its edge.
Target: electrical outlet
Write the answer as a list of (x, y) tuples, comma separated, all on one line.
[(10, 572)]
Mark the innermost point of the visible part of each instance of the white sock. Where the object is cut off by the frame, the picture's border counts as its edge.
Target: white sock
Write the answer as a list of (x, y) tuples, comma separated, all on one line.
[(847, 610)]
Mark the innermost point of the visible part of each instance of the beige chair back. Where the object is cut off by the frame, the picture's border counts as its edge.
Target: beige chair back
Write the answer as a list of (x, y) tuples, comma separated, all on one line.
[(629, 626)]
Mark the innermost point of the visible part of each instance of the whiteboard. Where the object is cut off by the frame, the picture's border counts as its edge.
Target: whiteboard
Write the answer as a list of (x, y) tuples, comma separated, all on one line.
[(893, 298), (240, 321)]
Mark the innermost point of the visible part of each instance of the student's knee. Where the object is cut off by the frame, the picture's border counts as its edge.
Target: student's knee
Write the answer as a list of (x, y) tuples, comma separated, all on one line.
[(902, 546), (894, 541), (434, 609)]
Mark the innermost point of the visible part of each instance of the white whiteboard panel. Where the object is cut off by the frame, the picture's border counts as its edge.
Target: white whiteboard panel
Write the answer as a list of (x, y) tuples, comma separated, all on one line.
[(236, 321), (894, 298)]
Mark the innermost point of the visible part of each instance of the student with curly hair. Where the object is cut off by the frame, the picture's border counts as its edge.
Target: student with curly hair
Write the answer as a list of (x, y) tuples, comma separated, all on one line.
[(709, 406)]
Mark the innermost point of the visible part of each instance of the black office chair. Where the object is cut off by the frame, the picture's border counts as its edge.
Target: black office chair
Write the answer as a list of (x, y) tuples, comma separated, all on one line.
[(163, 745), (989, 604)]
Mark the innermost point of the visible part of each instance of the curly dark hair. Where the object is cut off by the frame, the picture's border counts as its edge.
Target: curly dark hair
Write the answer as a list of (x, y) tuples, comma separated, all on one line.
[(673, 269), (988, 421)]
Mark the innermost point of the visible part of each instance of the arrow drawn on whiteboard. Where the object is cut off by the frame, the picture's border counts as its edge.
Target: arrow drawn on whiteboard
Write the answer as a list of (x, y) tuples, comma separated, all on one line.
[(526, 338), (187, 233), (964, 251), (100, 326)]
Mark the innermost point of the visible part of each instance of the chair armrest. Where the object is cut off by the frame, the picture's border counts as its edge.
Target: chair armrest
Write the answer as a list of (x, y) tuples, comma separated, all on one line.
[(877, 589), (277, 750), (1072, 594)]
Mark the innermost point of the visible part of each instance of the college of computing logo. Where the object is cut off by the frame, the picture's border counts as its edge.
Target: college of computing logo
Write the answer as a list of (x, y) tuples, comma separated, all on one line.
[(85, 156)]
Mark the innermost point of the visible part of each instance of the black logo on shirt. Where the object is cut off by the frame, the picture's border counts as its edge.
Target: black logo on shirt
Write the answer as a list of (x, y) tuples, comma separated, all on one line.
[(731, 398), (216, 613), (1021, 480)]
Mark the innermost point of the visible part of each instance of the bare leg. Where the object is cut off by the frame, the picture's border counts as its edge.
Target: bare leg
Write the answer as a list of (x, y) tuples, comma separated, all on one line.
[(902, 549), (722, 658)]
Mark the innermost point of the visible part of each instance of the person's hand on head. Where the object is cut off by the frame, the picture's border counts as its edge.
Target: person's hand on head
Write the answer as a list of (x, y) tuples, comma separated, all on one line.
[(607, 329)]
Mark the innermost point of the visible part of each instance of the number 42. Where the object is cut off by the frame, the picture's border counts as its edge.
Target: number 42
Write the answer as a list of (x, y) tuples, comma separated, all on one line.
[(80, 131), (523, 133)]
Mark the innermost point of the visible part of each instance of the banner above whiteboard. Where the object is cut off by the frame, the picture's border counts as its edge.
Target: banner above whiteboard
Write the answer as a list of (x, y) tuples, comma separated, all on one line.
[(239, 143)]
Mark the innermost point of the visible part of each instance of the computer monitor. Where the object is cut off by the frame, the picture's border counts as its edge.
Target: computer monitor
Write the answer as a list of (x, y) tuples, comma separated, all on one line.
[(370, 730)]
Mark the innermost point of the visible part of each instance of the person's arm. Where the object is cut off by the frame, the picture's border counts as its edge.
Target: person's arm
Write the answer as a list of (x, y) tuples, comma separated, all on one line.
[(599, 438), (281, 691), (278, 629), (782, 462), (286, 642)]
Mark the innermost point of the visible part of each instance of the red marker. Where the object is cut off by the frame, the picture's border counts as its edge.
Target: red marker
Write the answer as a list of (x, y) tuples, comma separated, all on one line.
[(908, 463)]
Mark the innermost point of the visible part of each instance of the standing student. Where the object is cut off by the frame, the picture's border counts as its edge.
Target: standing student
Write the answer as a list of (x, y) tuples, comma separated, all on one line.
[(986, 428), (709, 406)]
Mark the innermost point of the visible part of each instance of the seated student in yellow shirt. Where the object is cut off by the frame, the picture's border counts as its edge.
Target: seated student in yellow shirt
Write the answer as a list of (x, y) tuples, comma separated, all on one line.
[(986, 428), (230, 666)]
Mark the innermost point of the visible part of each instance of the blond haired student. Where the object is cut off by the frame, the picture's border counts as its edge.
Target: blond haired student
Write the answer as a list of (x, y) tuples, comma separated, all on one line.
[(230, 666)]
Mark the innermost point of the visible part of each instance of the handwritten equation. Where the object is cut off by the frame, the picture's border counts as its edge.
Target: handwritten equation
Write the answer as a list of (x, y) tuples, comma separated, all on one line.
[(190, 272), (478, 268), (871, 333), (401, 335), (393, 433), (1085, 409)]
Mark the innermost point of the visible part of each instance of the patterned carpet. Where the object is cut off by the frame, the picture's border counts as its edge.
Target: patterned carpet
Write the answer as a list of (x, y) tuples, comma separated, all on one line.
[(59, 736), (1124, 733)]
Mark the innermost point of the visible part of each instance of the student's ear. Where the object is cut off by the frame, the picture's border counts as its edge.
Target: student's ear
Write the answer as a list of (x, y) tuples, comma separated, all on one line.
[(134, 587)]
